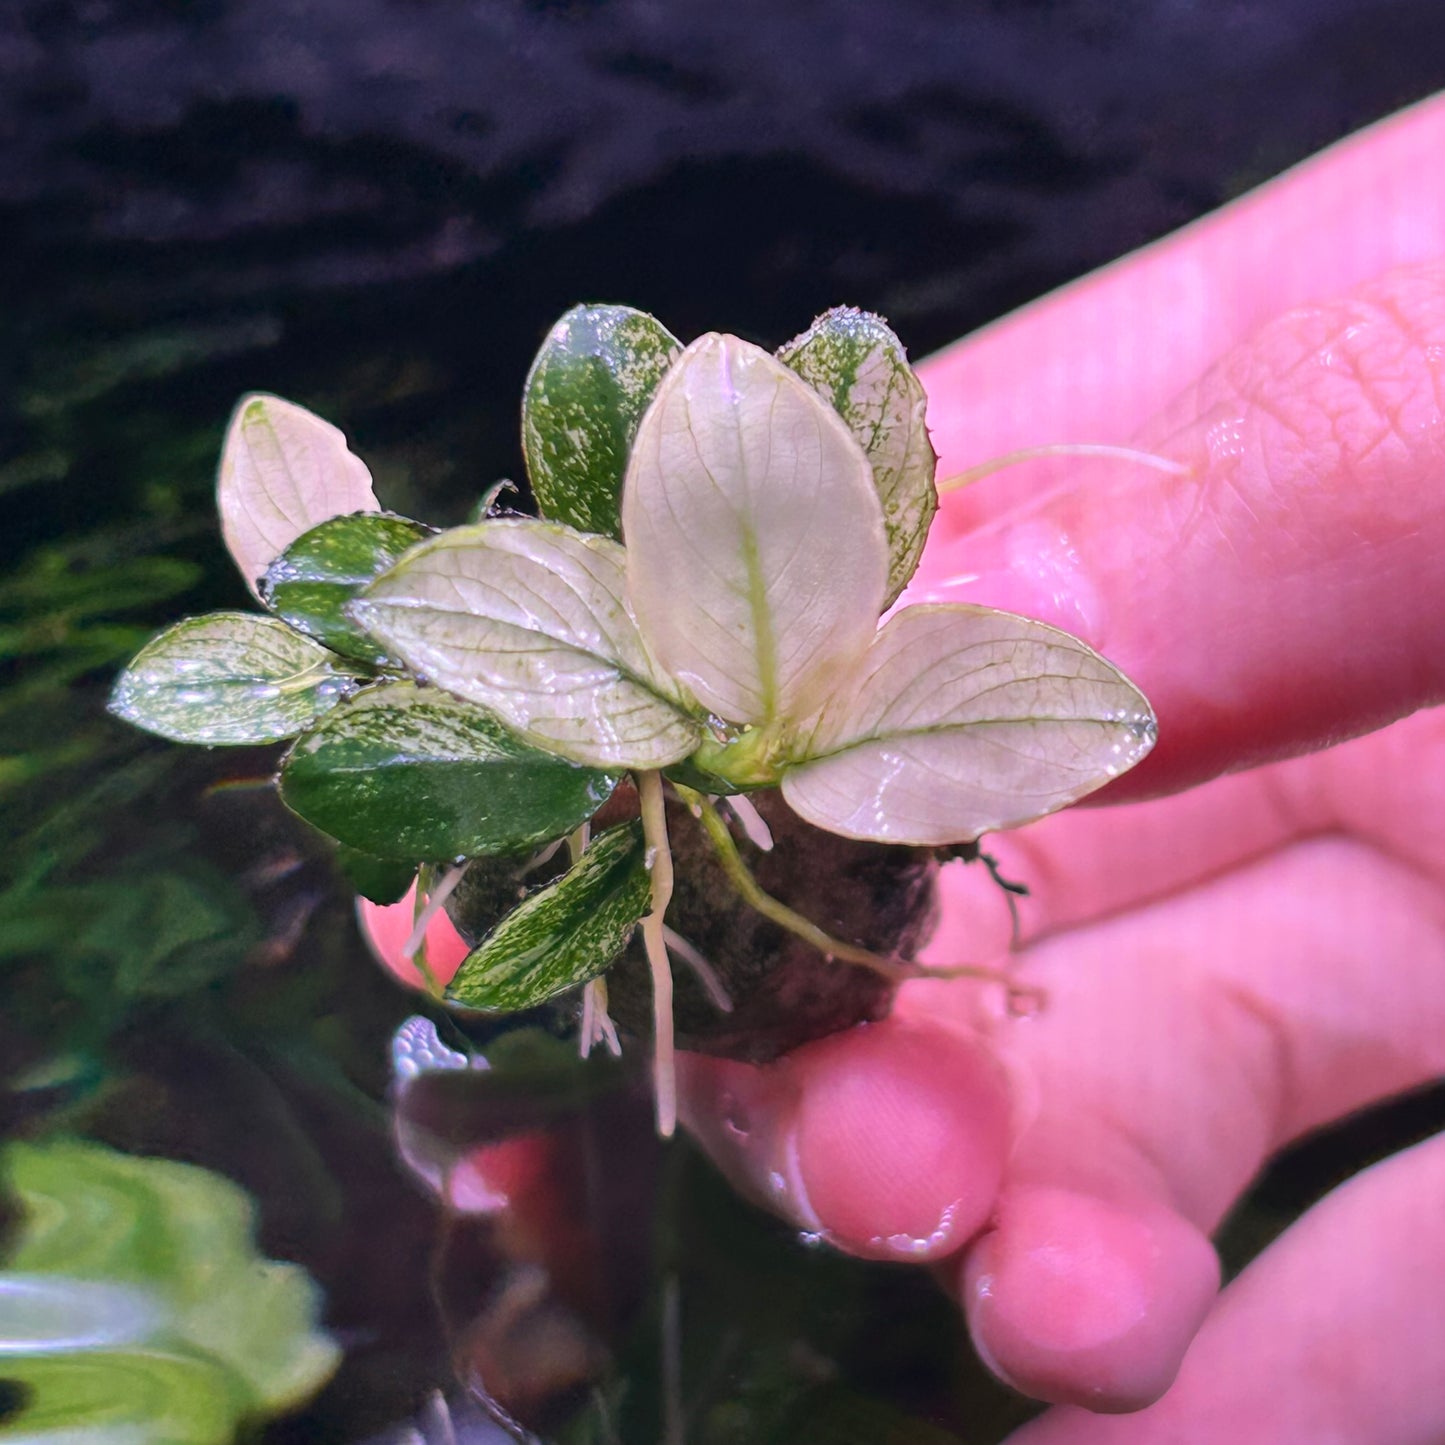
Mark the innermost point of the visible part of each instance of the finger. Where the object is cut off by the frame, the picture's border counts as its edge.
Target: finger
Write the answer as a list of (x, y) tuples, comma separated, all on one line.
[(1387, 789), (1335, 1333), (1093, 361), (387, 928), (1179, 1048), (889, 1140), (1285, 593)]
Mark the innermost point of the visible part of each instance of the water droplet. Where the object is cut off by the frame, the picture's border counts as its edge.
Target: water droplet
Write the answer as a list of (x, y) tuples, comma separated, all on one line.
[(735, 1117), (811, 1239)]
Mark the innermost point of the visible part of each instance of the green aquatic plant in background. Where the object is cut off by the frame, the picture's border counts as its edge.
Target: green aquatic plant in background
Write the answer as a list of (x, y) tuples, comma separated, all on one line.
[(482, 691), (135, 1306)]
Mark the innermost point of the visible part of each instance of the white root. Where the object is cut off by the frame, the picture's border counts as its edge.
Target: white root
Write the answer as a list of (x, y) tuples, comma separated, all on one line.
[(597, 1025), (753, 824), (664, 1062), (435, 902), (707, 975)]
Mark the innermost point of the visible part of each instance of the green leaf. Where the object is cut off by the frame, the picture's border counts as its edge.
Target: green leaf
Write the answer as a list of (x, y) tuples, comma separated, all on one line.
[(283, 470), (756, 559), (381, 880), (193, 1329), (141, 1396), (587, 390), (565, 934), (962, 720), (229, 677), (855, 362), (310, 583), (529, 619), (408, 772)]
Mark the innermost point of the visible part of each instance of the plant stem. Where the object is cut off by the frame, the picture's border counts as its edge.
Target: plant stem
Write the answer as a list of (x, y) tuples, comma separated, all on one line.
[(752, 892), (654, 830)]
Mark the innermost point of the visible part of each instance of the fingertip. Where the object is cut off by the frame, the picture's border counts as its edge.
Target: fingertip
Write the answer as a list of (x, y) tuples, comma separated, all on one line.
[(902, 1134), (888, 1140), (1079, 1300)]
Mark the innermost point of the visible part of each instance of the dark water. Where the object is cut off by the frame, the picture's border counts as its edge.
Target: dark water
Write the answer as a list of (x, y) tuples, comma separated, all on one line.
[(377, 208)]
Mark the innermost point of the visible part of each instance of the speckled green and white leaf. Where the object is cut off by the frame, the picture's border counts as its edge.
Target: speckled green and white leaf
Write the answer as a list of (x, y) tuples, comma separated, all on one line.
[(586, 392), (408, 772), (854, 361), (528, 619), (311, 582), (229, 677), (283, 470), (756, 558), (565, 934), (963, 720)]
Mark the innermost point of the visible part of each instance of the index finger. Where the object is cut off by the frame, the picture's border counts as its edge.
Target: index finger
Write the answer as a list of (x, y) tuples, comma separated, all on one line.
[(1284, 594)]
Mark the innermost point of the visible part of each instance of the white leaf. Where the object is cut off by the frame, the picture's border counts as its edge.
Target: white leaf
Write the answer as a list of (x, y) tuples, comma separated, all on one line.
[(756, 557), (855, 362), (283, 472), (963, 720), (529, 620)]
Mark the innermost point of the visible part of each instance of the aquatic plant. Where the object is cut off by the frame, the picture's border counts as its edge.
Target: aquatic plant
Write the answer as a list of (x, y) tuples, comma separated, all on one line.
[(696, 610)]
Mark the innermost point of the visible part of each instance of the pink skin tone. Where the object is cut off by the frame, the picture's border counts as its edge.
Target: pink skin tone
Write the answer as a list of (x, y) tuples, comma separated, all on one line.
[(1235, 957), (386, 927)]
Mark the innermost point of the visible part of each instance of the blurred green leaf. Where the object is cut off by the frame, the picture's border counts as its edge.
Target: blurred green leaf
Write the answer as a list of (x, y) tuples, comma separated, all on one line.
[(565, 934), (144, 1396), (310, 583), (409, 772), (587, 390), (200, 1331), (136, 933), (230, 677)]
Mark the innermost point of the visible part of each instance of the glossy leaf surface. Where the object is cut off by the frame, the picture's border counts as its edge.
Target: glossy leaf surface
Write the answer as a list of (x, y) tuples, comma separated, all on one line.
[(283, 470), (756, 558), (311, 582), (411, 773), (854, 361), (587, 390), (567, 933), (379, 880), (963, 720), (230, 677), (528, 619)]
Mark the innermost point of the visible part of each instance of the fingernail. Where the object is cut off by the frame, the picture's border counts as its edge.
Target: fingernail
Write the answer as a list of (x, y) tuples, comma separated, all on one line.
[(1076, 1299), (901, 1134)]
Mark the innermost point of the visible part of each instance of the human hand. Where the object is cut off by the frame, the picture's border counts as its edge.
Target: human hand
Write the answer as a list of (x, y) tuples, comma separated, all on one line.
[(1235, 957)]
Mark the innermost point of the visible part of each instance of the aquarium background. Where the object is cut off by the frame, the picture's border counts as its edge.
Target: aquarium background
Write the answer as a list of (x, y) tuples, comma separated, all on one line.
[(377, 208)]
